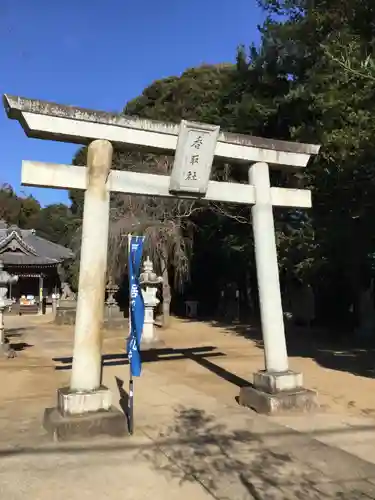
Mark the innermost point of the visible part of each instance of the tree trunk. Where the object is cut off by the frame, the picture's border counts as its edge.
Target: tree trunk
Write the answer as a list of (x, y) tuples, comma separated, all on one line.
[(167, 297)]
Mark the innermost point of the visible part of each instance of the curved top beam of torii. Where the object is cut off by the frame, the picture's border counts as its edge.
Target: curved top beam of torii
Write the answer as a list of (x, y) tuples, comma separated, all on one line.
[(47, 120)]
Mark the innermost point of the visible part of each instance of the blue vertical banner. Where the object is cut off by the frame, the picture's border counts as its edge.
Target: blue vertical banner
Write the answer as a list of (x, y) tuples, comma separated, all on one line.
[(136, 304)]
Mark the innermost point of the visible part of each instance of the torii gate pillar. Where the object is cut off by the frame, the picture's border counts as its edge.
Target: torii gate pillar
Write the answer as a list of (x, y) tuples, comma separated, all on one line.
[(276, 388)]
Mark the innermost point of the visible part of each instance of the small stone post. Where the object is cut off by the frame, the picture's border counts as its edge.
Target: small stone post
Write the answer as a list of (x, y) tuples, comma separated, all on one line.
[(237, 310), (86, 369), (5, 280), (55, 299), (41, 295), (111, 302), (150, 281)]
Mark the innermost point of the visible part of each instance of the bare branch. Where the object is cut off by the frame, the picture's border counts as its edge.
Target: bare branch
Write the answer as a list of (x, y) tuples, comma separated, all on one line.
[(187, 211), (225, 213), (344, 62)]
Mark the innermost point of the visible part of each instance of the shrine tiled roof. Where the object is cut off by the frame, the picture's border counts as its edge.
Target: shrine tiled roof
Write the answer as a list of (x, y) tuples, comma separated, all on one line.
[(23, 247)]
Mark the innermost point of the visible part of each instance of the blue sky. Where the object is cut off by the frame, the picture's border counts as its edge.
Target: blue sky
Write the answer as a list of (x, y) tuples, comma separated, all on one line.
[(100, 54)]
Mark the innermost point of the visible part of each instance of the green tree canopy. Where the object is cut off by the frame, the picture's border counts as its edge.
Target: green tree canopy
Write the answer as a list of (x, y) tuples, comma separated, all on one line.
[(309, 81)]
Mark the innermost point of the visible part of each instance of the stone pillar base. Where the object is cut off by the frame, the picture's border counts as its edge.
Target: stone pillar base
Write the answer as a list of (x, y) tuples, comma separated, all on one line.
[(78, 403), (152, 344), (278, 393), (84, 414)]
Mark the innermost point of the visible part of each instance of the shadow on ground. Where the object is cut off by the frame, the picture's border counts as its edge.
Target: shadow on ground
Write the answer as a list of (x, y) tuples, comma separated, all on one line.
[(235, 460), (124, 400), (200, 355), (19, 346), (234, 463), (15, 332), (347, 353)]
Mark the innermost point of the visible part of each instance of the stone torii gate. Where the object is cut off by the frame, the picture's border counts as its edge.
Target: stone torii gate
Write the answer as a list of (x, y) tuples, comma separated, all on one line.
[(195, 147)]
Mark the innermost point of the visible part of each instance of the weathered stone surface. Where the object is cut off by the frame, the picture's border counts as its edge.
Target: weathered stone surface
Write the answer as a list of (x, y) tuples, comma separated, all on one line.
[(67, 304), (116, 323), (150, 345), (65, 315), (115, 318), (76, 403), (15, 106), (302, 400), (274, 382), (74, 427)]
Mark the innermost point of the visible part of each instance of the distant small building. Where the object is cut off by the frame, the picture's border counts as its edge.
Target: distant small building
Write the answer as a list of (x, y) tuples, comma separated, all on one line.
[(35, 260)]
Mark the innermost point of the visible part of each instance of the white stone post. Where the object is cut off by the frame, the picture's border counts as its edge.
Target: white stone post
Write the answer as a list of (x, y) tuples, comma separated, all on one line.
[(2, 329), (40, 289), (54, 304), (86, 369), (148, 334), (5, 280), (271, 312), (150, 282)]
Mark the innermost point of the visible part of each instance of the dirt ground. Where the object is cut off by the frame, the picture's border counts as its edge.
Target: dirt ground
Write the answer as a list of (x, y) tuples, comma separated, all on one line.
[(191, 437), (343, 378)]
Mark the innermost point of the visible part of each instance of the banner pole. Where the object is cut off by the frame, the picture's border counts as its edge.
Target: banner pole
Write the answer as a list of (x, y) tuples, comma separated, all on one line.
[(131, 383)]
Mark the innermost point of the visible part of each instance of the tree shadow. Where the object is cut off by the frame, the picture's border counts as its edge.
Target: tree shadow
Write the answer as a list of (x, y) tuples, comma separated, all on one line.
[(234, 459), (232, 463), (11, 333), (19, 346), (16, 333), (346, 353)]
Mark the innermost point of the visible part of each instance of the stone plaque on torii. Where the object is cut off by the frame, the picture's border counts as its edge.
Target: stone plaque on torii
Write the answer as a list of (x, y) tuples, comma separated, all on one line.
[(195, 147)]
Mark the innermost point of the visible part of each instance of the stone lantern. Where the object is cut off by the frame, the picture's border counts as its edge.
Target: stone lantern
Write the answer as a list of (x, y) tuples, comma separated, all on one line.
[(6, 279), (149, 282), (111, 302)]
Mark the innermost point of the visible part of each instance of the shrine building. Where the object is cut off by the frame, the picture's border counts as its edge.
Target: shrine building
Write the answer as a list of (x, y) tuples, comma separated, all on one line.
[(35, 260)]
